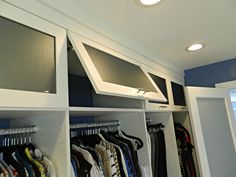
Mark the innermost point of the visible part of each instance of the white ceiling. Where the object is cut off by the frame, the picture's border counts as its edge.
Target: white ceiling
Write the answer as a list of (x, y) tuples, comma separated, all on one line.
[(168, 28)]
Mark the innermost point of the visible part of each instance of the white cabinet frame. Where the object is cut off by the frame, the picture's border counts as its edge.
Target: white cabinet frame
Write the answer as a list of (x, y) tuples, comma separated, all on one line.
[(102, 87), (15, 98), (192, 94)]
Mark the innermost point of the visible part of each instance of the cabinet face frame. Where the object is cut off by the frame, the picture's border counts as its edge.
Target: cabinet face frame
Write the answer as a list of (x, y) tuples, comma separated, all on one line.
[(102, 87), (164, 107), (18, 98), (150, 106)]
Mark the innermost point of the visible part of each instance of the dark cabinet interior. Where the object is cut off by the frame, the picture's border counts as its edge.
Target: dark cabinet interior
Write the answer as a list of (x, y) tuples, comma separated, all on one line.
[(82, 93), (161, 84), (178, 94)]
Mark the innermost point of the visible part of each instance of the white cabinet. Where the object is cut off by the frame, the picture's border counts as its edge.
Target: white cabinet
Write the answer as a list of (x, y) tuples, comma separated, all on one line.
[(113, 73), (33, 81), (162, 84), (214, 130), (172, 89), (33, 60), (119, 77)]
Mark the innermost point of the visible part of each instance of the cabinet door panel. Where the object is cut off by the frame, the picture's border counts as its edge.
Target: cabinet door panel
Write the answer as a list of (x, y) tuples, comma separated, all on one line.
[(161, 83), (27, 58), (112, 73), (33, 71)]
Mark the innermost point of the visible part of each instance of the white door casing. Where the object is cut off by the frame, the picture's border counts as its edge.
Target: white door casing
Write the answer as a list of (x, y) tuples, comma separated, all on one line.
[(193, 97)]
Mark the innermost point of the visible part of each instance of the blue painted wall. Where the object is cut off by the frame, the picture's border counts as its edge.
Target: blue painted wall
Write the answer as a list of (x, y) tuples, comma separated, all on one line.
[(209, 75), (80, 95)]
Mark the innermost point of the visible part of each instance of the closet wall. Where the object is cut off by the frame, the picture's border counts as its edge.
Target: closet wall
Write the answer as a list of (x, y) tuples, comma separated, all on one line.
[(76, 99)]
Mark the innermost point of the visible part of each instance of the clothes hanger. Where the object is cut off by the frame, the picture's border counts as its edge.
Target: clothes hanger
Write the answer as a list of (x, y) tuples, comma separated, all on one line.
[(137, 142)]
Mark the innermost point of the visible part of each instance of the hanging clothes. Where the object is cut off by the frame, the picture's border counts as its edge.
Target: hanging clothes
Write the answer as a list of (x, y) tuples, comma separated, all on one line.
[(24, 161), (185, 149), (158, 150), (117, 151)]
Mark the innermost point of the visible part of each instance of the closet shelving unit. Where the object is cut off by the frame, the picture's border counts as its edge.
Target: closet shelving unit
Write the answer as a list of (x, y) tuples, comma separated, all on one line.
[(52, 113), (25, 101), (132, 115), (51, 136), (173, 167)]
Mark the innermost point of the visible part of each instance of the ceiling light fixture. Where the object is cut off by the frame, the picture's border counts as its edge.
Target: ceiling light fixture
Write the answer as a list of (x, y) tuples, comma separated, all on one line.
[(148, 2), (195, 47)]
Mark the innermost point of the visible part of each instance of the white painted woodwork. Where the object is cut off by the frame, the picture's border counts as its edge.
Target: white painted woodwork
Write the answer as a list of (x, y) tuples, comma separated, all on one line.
[(14, 98), (66, 15), (216, 102), (50, 113), (100, 86), (154, 107)]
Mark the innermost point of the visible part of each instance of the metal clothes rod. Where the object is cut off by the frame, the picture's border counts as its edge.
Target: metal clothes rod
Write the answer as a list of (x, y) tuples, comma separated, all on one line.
[(95, 125), (13, 131)]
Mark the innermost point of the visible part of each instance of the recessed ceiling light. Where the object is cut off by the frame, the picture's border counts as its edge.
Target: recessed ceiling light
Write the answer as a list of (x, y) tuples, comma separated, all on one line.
[(195, 47), (148, 2)]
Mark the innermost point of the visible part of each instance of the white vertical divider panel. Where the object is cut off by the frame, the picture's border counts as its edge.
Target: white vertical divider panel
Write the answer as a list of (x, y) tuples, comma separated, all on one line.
[(173, 167), (133, 124), (52, 137)]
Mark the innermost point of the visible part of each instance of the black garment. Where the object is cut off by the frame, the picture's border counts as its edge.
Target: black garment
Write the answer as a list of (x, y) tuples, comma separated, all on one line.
[(138, 141), (84, 166), (158, 150), (133, 154), (88, 140), (185, 149), (154, 153), (11, 161), (21, 150), (162, 170)]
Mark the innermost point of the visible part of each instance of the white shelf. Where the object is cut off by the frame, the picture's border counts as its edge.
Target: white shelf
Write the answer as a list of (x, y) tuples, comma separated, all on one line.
[(157, 110), (2, 108), (96, 111), (18, 113)]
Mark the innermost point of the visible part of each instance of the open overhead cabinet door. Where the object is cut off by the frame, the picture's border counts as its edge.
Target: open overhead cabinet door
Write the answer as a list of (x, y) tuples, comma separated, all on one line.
[(214, 130), (112, 73)]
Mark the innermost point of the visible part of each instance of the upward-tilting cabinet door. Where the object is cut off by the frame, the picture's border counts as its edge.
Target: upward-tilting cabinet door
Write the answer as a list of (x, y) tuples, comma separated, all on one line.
[(113, 73), (214, 130)]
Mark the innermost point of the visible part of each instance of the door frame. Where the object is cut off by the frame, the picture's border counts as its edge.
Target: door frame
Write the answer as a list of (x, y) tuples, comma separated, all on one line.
[(192, 93), (227, 85)]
